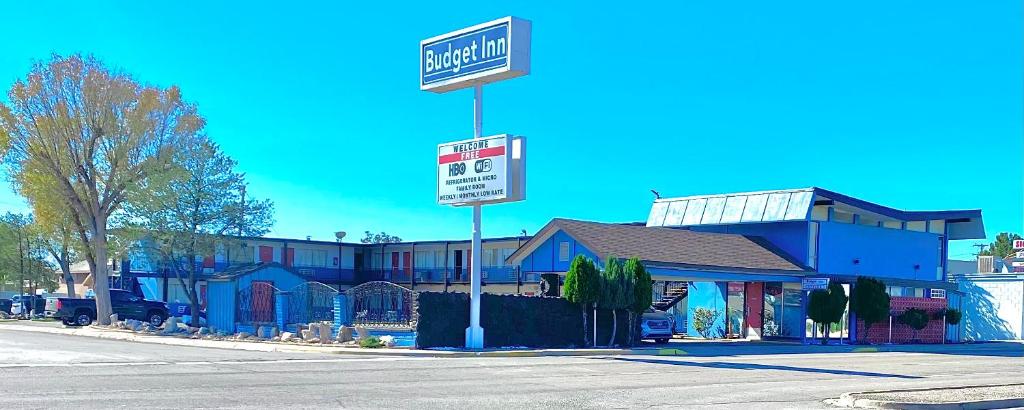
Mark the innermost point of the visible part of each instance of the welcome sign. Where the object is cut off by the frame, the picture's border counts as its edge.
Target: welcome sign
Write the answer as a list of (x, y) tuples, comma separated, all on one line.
[(483, 53)]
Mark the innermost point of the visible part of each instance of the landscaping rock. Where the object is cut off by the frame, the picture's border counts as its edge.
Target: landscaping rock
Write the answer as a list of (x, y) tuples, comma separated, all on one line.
[(172, 323), (325, 332), (287, 335), (307, 335), (113, 318), (345, 334), (205, 331), (242, 335), (388, 340)]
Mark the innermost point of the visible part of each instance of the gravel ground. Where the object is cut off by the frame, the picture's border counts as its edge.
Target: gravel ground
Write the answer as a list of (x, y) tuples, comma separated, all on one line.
[(965, 394)]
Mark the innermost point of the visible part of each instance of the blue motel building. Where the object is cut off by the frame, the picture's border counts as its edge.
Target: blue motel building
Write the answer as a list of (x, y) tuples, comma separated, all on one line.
[(744, 255)]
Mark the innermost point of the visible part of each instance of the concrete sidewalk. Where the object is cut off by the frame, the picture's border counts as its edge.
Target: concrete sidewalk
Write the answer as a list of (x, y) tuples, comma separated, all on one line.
[(267, 346), (676, 348)]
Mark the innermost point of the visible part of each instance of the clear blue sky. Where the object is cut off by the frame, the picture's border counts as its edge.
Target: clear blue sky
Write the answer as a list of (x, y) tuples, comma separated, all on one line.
[(916, 106)]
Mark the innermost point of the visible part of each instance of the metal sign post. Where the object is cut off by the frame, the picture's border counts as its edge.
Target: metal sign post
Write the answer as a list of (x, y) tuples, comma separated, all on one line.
[(475, 333), (483, 170)]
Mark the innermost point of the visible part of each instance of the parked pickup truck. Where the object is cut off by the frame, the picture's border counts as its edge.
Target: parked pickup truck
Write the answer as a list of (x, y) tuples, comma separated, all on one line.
[(81, 312)]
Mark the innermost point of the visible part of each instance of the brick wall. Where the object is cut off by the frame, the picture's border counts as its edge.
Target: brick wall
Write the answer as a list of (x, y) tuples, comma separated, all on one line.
[(879, 332)]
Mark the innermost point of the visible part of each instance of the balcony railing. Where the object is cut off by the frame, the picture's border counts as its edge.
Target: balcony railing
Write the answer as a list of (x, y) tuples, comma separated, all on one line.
[(491, 274)]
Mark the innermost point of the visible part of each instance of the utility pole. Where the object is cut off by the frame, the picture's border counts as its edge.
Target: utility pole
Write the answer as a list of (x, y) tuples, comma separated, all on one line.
[(21, 270)]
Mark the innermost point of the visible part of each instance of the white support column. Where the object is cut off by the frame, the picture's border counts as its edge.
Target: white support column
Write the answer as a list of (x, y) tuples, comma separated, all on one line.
[(475, 333)]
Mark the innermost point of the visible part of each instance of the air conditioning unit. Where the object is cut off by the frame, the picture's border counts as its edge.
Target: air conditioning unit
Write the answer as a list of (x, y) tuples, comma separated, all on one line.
[(986, 264), (306, 272)]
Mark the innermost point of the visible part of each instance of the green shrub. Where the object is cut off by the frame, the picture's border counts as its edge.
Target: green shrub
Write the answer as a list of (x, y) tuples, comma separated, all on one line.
[(370, 342), (916, 318), (953, 316), (827, 307), (508, 321), (869, 301), (442, 318)]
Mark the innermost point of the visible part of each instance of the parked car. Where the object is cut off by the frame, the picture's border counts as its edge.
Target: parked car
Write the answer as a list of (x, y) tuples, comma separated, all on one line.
[(81, 312), (5, 305), (656, 325), (26, 304)]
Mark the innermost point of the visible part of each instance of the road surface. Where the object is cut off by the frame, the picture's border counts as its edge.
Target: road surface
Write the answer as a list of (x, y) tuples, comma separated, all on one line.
[(59, 371)]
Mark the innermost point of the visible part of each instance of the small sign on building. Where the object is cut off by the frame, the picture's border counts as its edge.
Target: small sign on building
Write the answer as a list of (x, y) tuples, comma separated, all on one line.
[(814, 283), (1018, 244)]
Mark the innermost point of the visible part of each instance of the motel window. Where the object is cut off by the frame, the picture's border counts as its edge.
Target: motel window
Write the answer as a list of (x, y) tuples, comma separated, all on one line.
[(844, 217), (424, 259), (505, 253), (819, 213), (919, 226), (439, 261), (938, 294), (311, 257), (563, 251)]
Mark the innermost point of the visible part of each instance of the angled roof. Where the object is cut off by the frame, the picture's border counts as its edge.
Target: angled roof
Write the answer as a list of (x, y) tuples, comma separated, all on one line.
[(675, 248), (796, 205), (244, 269)]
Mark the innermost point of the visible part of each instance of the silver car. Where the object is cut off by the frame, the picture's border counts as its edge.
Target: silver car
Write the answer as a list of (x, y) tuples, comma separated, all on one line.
[(656, 325)]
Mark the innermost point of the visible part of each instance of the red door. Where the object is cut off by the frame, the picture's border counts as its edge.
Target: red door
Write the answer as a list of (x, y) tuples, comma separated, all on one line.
[(289, 257), (754, 307), (394, 264), (407, 263), (266, 254), (469, 262), (262, 301)]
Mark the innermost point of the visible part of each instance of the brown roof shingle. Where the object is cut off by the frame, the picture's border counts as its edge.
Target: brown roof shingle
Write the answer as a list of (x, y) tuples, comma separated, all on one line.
[(683, 248)]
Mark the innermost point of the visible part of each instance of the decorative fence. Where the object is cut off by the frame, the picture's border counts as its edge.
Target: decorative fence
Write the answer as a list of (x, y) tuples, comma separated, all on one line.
[(255, 304), (310, 302), (380, 304)]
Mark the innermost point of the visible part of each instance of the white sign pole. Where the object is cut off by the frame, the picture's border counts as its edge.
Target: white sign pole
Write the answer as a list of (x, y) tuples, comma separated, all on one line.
[(475, 333)]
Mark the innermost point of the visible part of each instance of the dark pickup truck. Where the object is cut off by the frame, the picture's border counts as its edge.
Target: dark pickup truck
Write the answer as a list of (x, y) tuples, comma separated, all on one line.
[(81, 312)]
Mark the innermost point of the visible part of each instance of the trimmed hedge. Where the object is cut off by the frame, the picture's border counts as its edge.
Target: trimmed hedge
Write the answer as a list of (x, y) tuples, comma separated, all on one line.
[(440, 319), (509, 321)]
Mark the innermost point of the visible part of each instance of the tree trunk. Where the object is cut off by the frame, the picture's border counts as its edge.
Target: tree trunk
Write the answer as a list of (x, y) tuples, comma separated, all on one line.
[(100, 274), (586, 338), (193, 299), (69, 279), (615, 327), (825, 328)]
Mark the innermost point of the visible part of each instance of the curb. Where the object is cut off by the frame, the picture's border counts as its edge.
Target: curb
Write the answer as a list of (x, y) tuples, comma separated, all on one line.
[(849, 400), (125, 335)]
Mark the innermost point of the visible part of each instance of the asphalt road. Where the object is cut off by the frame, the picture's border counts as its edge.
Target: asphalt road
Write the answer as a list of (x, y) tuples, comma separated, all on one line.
[(56, 371)]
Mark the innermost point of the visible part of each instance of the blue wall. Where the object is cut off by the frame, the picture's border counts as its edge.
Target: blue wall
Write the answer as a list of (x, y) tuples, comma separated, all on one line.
[(545, 257), (278, 276), (221, 294), (220, 310), (792, 237), (709, 295), (886, 253)]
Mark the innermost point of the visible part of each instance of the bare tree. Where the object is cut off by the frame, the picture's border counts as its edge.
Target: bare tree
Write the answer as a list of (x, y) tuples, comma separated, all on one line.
[(88, 136)]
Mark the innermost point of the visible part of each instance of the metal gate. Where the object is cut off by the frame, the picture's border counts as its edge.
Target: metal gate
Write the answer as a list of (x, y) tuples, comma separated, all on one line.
[(255, 304), (380, 304), (311, 302)]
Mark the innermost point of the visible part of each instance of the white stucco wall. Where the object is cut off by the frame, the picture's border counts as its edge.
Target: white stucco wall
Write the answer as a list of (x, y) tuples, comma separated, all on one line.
[(993, 308)]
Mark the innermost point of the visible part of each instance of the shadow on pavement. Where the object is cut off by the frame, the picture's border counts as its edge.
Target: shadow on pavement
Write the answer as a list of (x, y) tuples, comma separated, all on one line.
[(730, 349), (754, 366)]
